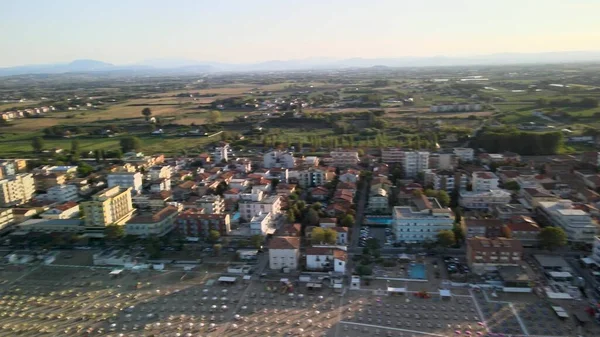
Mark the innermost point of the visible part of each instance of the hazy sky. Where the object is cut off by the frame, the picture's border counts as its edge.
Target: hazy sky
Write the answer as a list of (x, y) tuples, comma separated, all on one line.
[(129, 31)]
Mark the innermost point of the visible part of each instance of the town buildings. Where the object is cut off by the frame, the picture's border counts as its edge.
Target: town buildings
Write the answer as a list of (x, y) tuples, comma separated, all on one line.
[(422, 221), (63, 193), (482, 181), (577, 223), (464, 154), (345, 158), (484, 253), (195, 222), (111, 206), (284, 252), (455, 107), (16, 190), (314, 177), (415, 162), (157, 224), (488, 228), (484, 200), (249, 208), (279, 159), (212, 204), (133, 180)]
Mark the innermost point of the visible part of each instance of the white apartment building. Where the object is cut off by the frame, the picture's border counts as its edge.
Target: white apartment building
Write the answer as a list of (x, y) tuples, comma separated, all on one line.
[(163, 184), (126, 180), (464, 154), (16, 190), (221, 153), (62, 193), (326, 258), (68, 210), (442, 161), (344, 158), (6, 217), (484, 181), (249, 209), (484, 200), (422, 221), (415, 162), (261, 224), (160, 172), (212, 204), (279, 159), (577, 224), (314, 177), (392, 156), (284, 252)]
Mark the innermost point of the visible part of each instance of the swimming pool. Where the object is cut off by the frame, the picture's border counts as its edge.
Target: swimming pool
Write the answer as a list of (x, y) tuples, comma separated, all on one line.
[(417, 271), (378, 220), (236, 216)]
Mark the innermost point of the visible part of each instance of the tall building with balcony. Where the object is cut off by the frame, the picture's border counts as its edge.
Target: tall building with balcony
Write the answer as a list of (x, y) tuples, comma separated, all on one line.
[(415, 162), (63, 193), (446, 180), (221, 153), (160, 172), (344, 158), (195, 223), (464, 154), (422, 221), (212, 204), (483, 253), (16, 190), (111, 206), (314, 177), (392, 156)]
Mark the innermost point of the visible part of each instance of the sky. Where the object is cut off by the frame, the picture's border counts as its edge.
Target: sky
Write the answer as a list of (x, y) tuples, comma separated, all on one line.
[(245, 31)]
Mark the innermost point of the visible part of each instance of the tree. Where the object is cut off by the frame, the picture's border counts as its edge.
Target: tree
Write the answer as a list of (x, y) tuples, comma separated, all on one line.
[(512, 185), (213, 117), (317, 235), (97, 155), (552, 238), (217, 249), (347, 221), (329, 236), (457, 215), (274, 183), (37, 144), (256, 241), (214, 236), (152, 247), (459, 235), (130, 144), (443, 198), (316, 206), (363, 270), (147, 113), (312, 217), (114, 232), (291, 218), (75, 146), (373, 244), (84, 169), (446, 238)]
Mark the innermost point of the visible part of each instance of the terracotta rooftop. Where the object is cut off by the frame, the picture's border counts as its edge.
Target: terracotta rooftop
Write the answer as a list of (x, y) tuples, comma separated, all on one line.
[(482, 222), (284, 242), (67, 205)]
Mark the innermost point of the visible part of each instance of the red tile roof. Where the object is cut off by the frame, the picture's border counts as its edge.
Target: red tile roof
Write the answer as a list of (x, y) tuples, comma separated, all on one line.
[(284, 242)]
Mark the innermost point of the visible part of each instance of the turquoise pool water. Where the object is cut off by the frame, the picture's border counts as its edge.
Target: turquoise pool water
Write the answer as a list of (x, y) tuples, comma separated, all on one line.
[(379, 220), (236, 216), (417, 271)]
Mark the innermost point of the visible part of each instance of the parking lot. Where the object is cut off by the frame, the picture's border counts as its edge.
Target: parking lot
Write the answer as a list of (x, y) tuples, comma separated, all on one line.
[(383, 235)]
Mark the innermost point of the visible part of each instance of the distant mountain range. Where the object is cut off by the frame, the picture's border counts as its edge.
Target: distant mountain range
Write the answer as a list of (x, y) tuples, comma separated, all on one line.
[(183, 66)]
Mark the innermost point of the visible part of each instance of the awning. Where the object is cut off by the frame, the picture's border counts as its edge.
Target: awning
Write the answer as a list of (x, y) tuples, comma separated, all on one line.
[(403, 257), (337, 286), (396, 290), (587, 260), (560, 312), (229, 279), (116, 272), (560, 274), (445, 293)]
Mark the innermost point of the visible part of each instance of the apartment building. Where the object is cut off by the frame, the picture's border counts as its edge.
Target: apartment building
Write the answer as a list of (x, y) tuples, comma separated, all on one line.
[(111, 206), (194, 222), (421, 221), (221, 153), (6, 217), (392, 156), (443, 161), (160, 172), (483, 253), (157, 224), (487, 228), (279, 159), (314, 177), (484, 181), (67, 210), (133, 180), (595, 257), (16, 190), (62, 193), (250, 208), (212, 204), (7, 168), (378, 201), (284, 252), (344, 158), (524, 229), (43, 182), (455, 107), (464, 154), (415, 162), (260, 224), (446, 180), (577, 223), (483, 200)]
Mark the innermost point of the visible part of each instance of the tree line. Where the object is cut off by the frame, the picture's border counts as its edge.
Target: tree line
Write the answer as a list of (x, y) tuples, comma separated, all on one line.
[(521, 142)]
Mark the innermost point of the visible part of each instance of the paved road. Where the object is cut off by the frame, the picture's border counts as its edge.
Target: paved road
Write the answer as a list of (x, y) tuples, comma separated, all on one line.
[(360, 212)]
